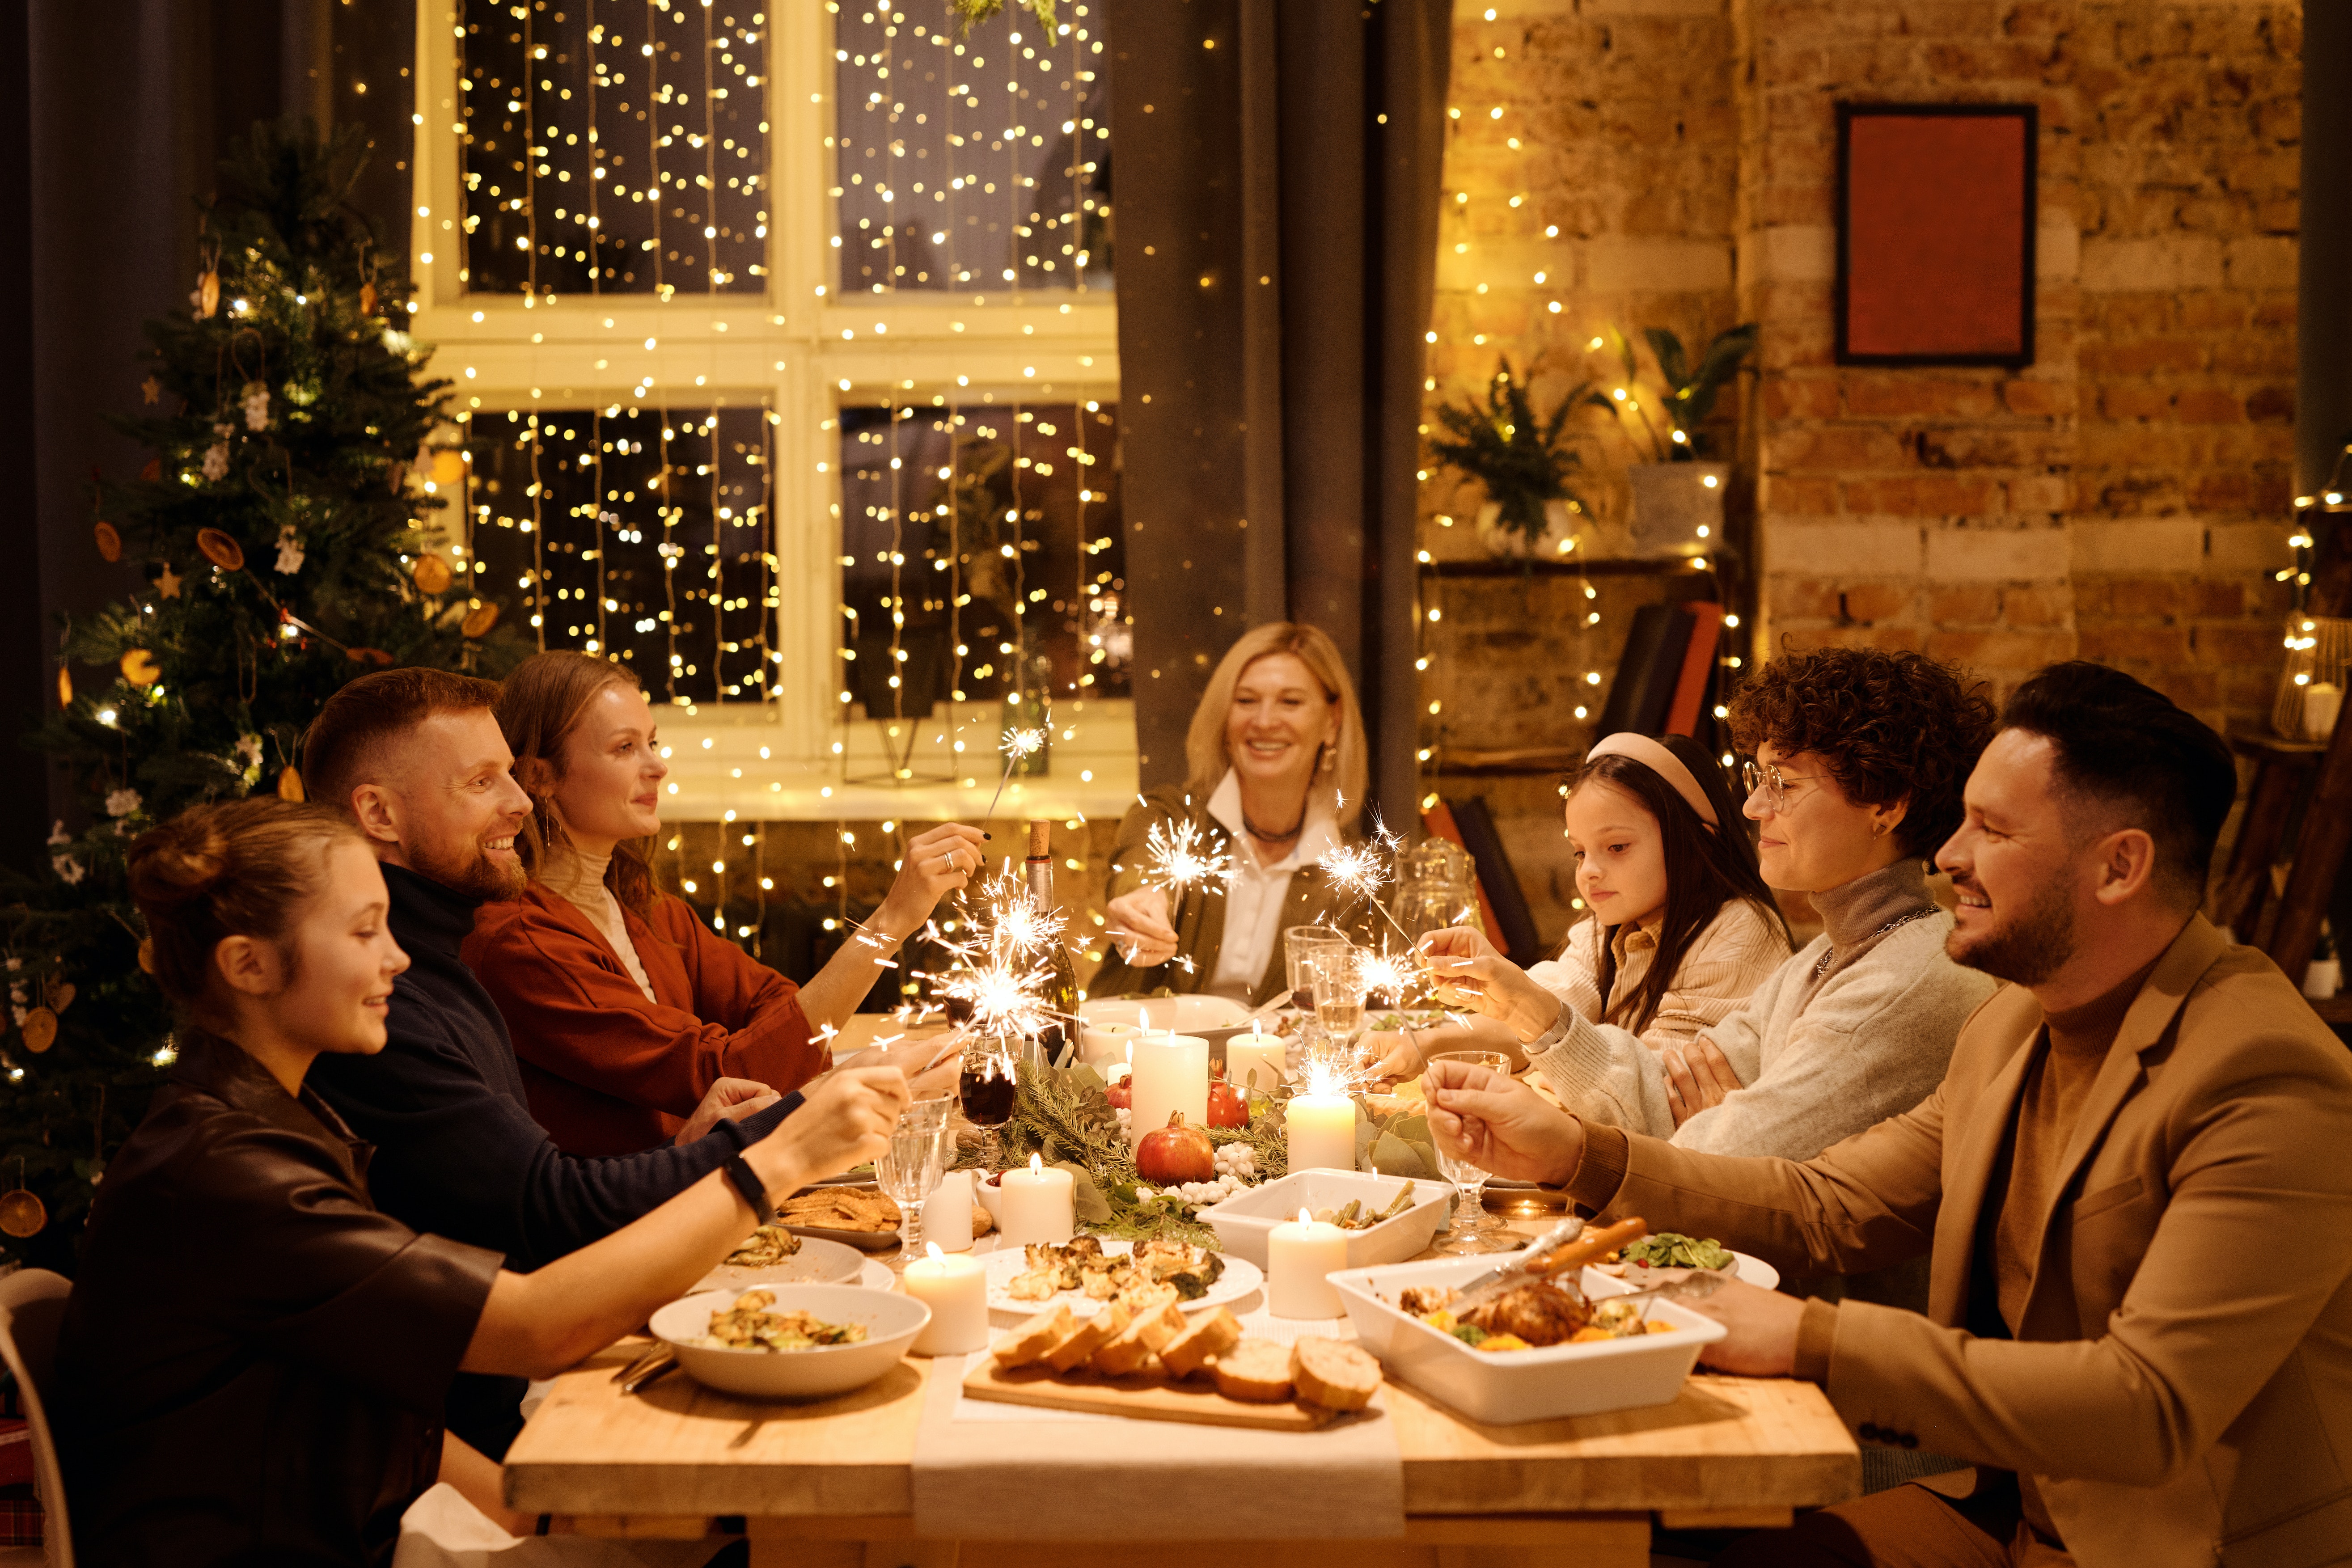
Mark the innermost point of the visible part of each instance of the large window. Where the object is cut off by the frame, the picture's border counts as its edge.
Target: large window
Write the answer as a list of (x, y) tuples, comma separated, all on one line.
[(701, 274)]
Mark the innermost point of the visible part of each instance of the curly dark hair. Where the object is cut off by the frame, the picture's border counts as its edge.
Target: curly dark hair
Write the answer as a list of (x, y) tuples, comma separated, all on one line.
[(1889, 726)]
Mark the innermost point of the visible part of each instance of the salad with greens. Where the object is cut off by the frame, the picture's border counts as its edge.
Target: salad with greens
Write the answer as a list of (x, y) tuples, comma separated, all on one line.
[(1671, 1249)]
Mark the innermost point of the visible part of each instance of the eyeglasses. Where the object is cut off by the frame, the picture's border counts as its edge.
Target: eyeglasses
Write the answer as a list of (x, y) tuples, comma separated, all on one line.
[(1772, 781)]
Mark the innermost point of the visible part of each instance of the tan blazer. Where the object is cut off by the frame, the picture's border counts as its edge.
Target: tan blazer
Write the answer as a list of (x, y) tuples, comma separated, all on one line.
[(2182, 1388), (1199, 914)]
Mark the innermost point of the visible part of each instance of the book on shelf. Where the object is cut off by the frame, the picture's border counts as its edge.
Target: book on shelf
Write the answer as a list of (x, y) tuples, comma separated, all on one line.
[(1662, 676)]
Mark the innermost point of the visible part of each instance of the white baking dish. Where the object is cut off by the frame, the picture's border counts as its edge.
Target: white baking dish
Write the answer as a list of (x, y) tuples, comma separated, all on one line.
[(1511, 1387), (1243, 1220)]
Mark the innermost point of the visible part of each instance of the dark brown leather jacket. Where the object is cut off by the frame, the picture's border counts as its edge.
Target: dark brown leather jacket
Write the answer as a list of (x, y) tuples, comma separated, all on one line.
[(254, 1359)]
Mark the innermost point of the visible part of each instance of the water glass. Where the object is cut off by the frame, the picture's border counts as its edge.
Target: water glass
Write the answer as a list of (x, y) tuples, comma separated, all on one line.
[(1299, 944), (910, 1166), (1474, 1230), (1335, 977)]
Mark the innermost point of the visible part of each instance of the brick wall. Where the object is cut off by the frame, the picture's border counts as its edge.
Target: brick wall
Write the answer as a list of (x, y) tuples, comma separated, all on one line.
[(2124, 498)]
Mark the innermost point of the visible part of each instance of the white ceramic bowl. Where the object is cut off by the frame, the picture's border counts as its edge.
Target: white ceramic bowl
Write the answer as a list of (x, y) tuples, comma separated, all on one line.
[(1242, 1221), (1185, 1015), (1520, 1385), (892, 1322)]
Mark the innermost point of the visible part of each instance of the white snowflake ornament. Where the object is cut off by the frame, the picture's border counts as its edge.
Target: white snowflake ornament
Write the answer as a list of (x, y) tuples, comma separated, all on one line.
[(256, 406), (290, 550), (121, 802)]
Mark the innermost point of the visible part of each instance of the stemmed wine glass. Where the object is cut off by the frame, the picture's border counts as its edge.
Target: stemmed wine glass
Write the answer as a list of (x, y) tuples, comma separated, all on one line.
[(988, 1091), (1474, 1230), (910, 1167)]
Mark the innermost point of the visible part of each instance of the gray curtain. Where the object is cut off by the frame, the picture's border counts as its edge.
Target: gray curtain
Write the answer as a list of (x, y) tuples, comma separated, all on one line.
[(1276, 202)]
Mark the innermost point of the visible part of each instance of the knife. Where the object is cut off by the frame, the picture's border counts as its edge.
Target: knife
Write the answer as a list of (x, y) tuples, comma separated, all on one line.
[(1556, 1251)]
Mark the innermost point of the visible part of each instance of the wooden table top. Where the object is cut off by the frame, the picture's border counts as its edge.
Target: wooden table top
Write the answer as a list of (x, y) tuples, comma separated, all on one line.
[(678, 1449)]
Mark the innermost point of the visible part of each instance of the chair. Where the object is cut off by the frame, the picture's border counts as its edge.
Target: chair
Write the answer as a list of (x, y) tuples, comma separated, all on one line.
[(32, 1311)]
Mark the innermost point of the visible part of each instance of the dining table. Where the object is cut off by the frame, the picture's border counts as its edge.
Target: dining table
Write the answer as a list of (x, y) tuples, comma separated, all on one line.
[(832, 1484)]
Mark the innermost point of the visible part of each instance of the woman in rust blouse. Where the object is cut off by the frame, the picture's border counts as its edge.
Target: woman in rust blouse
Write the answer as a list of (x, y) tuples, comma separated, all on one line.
[(624, 1007)]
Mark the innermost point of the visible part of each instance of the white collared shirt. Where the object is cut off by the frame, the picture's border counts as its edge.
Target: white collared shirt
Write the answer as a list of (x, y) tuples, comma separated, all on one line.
[(1255, 893)]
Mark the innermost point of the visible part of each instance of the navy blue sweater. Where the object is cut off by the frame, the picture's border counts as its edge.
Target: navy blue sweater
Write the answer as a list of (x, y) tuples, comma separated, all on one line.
[(457, 1151)]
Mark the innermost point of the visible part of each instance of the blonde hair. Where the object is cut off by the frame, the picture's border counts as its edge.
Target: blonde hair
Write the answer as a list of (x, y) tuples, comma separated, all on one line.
[(538, 706), (1339, 780)]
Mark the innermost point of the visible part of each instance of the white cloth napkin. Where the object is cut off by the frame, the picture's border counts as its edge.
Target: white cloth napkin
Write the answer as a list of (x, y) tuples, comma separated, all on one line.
[(442, 1530)]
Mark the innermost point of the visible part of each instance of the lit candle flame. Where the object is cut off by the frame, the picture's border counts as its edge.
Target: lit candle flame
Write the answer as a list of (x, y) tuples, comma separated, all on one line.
[(932, 1248), (1036, 1164), (1305, 1217)]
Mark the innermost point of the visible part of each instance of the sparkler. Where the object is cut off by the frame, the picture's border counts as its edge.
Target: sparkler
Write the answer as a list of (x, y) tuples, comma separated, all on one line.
[(997, 977), (1016, 745), (1179, 856)]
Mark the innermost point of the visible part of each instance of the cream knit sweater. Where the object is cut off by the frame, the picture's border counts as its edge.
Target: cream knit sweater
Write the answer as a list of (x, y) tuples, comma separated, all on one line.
[(1820, 1058)]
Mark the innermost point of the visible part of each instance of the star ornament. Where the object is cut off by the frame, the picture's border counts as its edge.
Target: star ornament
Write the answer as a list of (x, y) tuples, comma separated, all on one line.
[(151, 390), (167, 583)]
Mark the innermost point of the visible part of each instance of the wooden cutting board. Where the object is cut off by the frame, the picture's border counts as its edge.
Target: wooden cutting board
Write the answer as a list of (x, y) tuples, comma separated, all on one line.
[(1142, 1399)]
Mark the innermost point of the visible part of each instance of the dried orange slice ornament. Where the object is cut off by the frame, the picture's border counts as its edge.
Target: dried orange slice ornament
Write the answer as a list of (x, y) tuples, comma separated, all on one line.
[(221, 550)]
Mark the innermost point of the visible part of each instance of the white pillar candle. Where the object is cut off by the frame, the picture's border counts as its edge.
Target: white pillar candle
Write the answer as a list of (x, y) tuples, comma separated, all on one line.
[(947, 1213), (1099, 1045), (1170, 1074), (1322, 1130), (1037, 1204), (956, 1290), (1265, 1054), (1300, 1255)]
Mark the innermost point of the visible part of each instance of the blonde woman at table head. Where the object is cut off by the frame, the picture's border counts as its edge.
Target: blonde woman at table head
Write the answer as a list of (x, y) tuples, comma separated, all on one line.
[(1277, 761), (312, 1337), (626, 1008)]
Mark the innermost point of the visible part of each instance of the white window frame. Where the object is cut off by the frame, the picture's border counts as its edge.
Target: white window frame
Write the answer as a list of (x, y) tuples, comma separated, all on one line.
[(793, 346)]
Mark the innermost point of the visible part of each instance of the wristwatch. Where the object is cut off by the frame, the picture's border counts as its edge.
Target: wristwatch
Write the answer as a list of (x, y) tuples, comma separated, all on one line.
[(747, 1182)]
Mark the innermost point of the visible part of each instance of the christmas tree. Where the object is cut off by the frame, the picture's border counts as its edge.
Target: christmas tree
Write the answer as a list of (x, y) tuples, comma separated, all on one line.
[(286, 525)]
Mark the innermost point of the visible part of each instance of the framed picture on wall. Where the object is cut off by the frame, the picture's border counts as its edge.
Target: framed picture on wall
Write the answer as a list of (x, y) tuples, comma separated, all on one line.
[(1935, 233)]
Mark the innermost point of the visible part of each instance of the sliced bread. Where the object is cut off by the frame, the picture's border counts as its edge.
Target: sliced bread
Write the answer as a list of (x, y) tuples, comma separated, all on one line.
[(1078, 1347), (1203, 1337), (1333, 1375), (1134, 1344), (1030, 1341), (1258, 1370)]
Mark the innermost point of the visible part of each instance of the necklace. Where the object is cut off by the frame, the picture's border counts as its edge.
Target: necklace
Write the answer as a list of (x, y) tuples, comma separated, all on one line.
[(1262, 836), (1821, 965)]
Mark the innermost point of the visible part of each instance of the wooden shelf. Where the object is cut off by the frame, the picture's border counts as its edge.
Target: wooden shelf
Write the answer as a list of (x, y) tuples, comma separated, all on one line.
[(1568, 566), (2336, 1009)]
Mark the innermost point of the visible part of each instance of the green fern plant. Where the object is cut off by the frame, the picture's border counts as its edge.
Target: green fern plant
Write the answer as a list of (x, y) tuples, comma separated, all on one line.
[(1691, 391), (1515, 456)]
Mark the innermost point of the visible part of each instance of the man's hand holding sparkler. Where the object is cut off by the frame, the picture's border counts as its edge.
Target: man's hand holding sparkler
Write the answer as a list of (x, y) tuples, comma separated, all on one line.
[(1462, 962), (928, 1065), (938, 863)]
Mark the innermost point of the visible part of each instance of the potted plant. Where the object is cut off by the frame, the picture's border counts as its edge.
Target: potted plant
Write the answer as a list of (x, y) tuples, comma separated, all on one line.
[(1678, 495), (1519, 459)]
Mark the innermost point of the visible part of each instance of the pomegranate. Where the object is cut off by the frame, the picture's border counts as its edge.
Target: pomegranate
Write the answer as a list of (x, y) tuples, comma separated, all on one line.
[(1228, 1106), (1175, 1153), (1121, 1095)]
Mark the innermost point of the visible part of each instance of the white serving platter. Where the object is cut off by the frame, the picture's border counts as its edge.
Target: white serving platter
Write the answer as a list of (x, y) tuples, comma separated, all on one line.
[(1240, 1279)]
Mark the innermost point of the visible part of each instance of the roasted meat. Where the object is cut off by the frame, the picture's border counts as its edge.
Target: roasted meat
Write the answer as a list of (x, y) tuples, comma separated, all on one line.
[(1541, 1313)]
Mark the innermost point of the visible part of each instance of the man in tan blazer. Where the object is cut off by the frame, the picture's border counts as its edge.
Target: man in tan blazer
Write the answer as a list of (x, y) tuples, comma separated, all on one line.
[(2136, 1180)]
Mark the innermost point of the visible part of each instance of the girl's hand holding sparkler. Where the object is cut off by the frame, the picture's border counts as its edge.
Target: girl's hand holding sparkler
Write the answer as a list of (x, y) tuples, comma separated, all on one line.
[(1138, 920), (928, 1065), (936, 864), (1465, 963)]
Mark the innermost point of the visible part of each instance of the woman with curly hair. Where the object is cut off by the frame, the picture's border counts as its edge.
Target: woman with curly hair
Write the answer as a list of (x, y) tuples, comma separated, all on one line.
[(1859, 761)]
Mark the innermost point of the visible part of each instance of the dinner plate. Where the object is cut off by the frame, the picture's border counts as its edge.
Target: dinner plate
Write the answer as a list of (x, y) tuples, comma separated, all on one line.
[(818, 1262), (1241, 1277), (1746, 1267), (864, 1240)]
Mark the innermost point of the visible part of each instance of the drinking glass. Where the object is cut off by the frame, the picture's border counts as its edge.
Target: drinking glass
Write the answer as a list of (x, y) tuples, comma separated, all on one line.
[(910, 1167), (1299, 944), (1335, 978), (1474, 1230), (988, 1091)]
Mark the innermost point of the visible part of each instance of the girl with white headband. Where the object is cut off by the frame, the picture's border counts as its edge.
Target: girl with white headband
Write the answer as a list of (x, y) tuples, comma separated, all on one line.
[(1682, 929)]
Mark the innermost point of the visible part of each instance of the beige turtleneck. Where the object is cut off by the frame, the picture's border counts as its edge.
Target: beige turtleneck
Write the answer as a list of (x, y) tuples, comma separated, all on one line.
[(581, 880)]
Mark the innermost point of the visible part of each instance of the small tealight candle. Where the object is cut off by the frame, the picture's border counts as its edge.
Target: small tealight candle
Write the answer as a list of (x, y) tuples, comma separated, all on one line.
[(1321, 1123), (1300, 1255), (1037, 1204), (956, 1290)]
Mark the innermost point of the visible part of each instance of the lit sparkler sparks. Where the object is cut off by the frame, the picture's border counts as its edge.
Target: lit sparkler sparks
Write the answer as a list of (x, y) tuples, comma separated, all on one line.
[(997, 978), (1180, 856), (1362, 871)]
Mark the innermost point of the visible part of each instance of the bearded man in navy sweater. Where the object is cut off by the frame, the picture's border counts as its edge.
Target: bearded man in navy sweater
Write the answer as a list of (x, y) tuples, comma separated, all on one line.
[(417, 757)]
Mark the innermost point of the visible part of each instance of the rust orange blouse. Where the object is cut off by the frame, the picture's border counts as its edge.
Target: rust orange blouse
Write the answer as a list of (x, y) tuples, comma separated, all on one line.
[(607, 1072)]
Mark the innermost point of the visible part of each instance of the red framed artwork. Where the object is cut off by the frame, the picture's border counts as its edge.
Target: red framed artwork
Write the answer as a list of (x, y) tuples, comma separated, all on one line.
[(1935, 214)]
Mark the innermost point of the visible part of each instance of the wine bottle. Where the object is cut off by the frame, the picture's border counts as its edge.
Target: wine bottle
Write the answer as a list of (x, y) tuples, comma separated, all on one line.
[(1060, 989), (1029, 707)]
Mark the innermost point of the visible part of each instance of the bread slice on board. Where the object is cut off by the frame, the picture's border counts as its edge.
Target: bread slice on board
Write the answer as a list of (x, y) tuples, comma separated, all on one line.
[(1333, 1375), (1134, 1344), (1256, 1371), (1203, 1338), (1079, 1346), (1032, 1340)]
